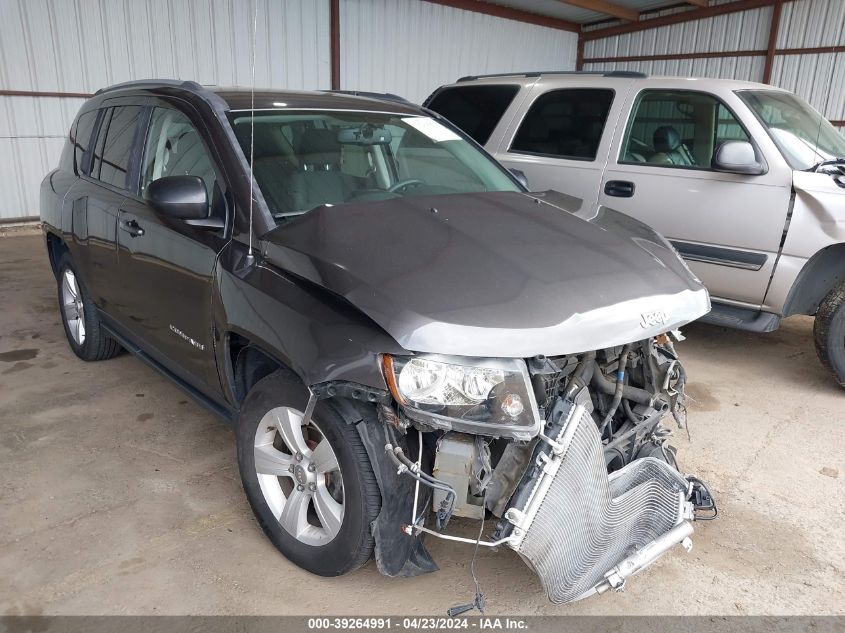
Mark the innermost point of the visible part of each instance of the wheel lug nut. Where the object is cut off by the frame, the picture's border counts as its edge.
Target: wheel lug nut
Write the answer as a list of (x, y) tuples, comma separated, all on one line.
[(291, 468), (300, 487), (298, 457), (312, 486), (311, 468)]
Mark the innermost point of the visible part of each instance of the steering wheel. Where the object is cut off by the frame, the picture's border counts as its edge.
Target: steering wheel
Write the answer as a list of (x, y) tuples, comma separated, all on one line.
[(404, 184)]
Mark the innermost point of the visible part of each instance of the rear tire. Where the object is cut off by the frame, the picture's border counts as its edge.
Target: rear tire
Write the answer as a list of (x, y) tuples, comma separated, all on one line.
[(80, 317), (321, 470), (829, 332)]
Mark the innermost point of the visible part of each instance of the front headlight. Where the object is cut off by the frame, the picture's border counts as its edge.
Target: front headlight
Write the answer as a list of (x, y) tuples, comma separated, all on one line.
[(483, 396)]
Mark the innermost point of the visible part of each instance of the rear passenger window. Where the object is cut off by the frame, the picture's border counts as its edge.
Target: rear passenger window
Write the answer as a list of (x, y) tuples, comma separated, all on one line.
[(565, 124), (114, 146), (475, 109), (81, 139), (679, 129)]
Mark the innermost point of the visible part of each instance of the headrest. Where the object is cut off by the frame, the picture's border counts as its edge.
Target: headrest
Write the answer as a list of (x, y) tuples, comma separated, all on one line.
[(319, 142), (666, 139), (269, 140)]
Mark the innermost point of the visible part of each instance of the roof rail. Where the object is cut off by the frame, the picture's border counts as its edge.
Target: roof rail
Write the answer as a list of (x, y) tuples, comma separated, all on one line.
[(154, 83), (383, 96), (604, 73)]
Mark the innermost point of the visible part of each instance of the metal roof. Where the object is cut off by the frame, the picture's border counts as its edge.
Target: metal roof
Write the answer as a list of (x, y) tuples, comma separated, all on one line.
[(561, 10)]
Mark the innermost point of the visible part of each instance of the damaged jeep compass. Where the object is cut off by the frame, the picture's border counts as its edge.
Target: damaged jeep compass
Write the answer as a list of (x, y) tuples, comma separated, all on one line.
[(398, 331)]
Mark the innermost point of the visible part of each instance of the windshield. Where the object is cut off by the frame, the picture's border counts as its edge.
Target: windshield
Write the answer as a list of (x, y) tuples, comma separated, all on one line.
[(307, 159), (804, 136)]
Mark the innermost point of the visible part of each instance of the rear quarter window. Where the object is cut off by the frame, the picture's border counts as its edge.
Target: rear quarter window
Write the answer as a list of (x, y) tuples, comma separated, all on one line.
[(474, 109), (79, 143), (117, 133)]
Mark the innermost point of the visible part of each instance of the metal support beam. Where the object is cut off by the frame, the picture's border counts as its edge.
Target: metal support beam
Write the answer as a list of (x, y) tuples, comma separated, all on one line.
[(774, 27), (684, 16), (579, 57), (509, 14), (334, 46), (673, 56), (607, 8)]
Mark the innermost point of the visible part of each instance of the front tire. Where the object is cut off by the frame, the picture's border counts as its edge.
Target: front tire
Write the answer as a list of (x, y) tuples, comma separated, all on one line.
[(311, 487), (80, 318), (829, 333)]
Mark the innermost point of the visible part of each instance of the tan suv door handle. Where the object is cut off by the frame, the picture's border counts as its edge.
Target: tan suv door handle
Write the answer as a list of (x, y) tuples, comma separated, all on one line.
[(619, 188)]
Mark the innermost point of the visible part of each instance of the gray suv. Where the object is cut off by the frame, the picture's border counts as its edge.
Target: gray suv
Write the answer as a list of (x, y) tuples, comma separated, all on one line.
[(389, 321), (747, 181)]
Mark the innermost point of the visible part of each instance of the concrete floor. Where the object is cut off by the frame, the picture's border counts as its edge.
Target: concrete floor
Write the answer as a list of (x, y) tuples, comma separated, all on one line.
[(120, 495)]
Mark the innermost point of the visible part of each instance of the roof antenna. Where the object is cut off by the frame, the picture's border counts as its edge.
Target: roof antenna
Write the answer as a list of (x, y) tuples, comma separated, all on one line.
[(250, 256)]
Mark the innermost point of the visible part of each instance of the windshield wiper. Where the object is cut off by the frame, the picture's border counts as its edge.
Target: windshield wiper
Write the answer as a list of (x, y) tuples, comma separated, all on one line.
[(823, 163)]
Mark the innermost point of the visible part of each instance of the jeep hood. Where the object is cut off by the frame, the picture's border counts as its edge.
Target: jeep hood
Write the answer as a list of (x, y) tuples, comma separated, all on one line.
[(493, 274)]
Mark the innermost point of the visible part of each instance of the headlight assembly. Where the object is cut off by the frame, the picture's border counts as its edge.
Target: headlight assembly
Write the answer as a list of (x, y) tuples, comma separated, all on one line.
[(475, 395)]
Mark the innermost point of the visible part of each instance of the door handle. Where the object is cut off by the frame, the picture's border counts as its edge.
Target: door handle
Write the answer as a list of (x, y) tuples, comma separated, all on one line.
[(131, 227), (619, 188)]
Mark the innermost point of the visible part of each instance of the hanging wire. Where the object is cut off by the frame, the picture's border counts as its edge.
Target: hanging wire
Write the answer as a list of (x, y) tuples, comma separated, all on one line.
[(480, 600), (252, 118)]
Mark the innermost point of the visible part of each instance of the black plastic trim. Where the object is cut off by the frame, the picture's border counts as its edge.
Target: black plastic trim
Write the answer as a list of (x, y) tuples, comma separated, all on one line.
[(228, 414), (740, 318), (747, 260), (631, 74)]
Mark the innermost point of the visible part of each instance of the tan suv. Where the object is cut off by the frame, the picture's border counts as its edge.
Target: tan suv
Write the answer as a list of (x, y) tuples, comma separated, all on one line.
[(746, 180)]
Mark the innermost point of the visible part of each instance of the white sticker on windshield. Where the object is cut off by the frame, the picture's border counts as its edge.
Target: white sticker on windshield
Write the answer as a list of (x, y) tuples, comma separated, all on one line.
[(434, 130)]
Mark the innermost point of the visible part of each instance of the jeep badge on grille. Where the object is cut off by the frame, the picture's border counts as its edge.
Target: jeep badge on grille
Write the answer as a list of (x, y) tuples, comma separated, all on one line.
[(655, 317)]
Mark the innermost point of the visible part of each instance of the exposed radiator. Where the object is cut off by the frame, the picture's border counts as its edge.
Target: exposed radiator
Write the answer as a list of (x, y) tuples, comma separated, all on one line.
[(583, 531)]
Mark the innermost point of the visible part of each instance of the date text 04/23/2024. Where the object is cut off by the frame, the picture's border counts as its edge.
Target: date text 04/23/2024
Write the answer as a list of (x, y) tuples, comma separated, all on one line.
[(417, 624)]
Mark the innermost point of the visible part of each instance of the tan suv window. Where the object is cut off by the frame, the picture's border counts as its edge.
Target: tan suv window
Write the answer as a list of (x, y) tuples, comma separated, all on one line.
[(565, 124), (678, 129)]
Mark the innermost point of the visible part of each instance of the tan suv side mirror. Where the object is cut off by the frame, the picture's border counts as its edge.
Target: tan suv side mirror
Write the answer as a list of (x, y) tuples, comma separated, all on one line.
[(737, 157)]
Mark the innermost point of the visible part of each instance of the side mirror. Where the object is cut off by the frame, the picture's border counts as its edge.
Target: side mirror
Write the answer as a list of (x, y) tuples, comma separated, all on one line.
[(737, 157), (179, 197), (520, 176)]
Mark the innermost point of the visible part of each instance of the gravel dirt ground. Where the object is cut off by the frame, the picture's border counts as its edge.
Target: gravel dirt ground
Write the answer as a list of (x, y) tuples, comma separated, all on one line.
[(120, 495)]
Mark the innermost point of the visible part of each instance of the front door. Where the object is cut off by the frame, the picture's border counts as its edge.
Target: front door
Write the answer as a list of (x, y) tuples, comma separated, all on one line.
[(167, 266), (728, 227)]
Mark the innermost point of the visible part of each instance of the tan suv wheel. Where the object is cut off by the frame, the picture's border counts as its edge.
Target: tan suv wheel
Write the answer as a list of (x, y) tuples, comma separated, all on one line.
[(829, 331)]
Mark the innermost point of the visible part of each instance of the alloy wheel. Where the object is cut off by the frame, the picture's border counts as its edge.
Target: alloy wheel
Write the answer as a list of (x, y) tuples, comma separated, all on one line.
[(72, 307), (299, 476)]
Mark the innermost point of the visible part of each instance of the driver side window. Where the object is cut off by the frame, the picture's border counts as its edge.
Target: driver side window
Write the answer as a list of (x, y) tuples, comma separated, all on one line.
[(680, 129), (174, 148)]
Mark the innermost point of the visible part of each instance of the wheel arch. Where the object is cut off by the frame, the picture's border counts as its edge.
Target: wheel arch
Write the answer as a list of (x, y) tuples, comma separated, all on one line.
[(56, 247), (249, 362), (822, 273)]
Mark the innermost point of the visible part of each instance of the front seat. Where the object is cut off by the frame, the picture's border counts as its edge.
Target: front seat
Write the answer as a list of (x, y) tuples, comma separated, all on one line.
[(273, 165), (319, 180), (669, 150)]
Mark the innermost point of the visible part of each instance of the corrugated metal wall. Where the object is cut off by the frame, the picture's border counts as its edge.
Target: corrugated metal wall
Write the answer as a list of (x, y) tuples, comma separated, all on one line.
[(818, 78), (404, 46), (83, 45), (744, 31), (410, 47)]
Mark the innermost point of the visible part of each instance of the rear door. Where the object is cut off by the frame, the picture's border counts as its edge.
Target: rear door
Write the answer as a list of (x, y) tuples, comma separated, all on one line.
[(562, 138), (97, 198), (166, 265), (727, 226)]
